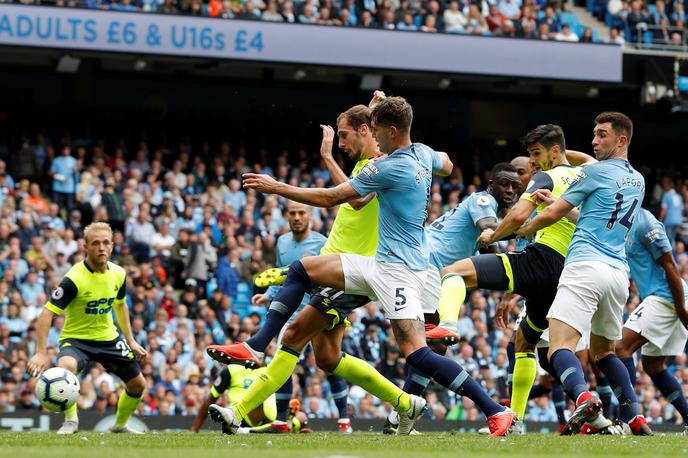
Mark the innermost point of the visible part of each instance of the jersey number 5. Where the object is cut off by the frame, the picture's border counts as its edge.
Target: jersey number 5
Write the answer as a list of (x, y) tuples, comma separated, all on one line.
[(627, 219)]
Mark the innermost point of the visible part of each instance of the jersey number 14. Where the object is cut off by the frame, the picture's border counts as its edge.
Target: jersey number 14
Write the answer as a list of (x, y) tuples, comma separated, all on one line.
[(627, 219)]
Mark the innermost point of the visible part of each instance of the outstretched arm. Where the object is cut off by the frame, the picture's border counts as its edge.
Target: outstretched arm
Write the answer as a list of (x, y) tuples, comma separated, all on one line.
[(317, 197), (578, 158), (337, 174), (547, 217)]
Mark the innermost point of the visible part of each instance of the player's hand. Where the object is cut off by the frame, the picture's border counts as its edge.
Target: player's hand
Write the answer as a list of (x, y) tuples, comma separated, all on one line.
[(327, 141), (260, 299), (378, 96), (485, 238), (502, 312), (544, 196), (139, 351), (39, 363), (260, 182)]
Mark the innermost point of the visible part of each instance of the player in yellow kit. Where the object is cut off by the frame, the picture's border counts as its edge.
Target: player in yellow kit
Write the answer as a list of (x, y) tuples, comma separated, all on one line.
[(87, 295)]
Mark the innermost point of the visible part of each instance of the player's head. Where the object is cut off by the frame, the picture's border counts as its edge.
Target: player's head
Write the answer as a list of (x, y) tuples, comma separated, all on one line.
[(611, 135), (98, 238), (522, 166), (355, 135), (299, 217), (391, 120), (504, 184), (546, 146)]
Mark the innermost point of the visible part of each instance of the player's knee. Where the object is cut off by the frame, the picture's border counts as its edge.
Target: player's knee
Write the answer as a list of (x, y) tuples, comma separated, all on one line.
[(622, 350), (69, 363), (652, 365), (137, 385), (327, 362)]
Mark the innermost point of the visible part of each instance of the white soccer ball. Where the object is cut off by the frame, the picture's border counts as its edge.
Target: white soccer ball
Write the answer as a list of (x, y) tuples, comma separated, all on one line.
[(57, 389)]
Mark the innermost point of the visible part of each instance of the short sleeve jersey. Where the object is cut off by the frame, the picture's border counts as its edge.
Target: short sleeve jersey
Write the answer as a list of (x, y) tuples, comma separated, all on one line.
[(557, 180), (608, 194), (234, 380), (86, 297), (402, 182), (454, 235), (289, 250), (647, 242), (354, 231)]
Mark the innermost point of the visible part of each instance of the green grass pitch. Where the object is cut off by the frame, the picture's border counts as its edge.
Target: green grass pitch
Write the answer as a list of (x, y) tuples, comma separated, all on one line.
[(331, 445)]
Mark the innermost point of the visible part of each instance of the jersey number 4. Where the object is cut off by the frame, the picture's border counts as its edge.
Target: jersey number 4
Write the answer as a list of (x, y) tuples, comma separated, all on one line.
[(627, 219)]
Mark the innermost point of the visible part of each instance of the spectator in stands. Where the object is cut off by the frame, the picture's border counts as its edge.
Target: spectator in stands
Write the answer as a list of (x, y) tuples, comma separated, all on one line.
[(510, 9), (63, 171), (476, 21), (551, 19), (453, 18), (495, 19), (659, 13), (615, 37), (671, 211), (566, 34), (678, 15), (637, 20), (587, 36)]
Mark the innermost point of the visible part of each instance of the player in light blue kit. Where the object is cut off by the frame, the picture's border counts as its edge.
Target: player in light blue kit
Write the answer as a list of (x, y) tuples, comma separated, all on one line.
[(451, 237), (659, 323), (301, 241), (593, 286), (396, 276), (454, 236)]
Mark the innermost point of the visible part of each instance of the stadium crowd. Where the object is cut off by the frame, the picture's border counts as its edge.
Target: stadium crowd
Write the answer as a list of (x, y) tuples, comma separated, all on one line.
[(533, 19), (191, 241)]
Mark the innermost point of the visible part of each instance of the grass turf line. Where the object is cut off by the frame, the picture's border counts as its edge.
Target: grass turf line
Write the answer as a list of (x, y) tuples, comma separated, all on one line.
[(435, 445)]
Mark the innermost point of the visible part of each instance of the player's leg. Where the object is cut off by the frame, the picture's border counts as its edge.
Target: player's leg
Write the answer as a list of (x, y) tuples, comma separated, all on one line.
[(525, 365), (606, 329), (667, 384), (302, 275), (455, 279), (308, 323), (121, 361), (74, 360), (630, 342), (327, 349), (329, 357)]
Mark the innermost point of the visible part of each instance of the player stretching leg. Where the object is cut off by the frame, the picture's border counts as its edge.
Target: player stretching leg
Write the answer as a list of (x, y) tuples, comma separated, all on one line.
[(234, 380), (396, 276), (659, 323), (346, 236), (593, 287), (451, 237), (534, 272), (87, 294)]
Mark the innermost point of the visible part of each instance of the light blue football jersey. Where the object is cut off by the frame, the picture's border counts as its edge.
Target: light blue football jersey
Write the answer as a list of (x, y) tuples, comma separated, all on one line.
[(454, 235), (520, 243), (402, 183), (608, 194), (289, 250), (646, 243)]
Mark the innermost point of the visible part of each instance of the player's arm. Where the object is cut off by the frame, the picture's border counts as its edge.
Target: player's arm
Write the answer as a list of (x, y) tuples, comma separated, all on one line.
[(221, 384), (514, 219), (578, 158), (316, 197), (666, 261), (58, 302), (337, 174), (547, 217), (41, 360), (484, 224), (446, 165), (122, 314), (203, 412), (546, 196)]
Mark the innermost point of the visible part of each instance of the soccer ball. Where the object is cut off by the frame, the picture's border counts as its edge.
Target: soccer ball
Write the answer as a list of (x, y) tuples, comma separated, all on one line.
[(57, 389)]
